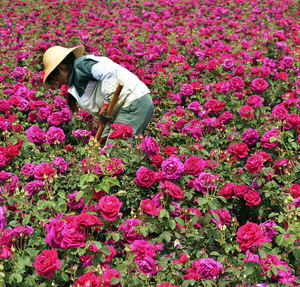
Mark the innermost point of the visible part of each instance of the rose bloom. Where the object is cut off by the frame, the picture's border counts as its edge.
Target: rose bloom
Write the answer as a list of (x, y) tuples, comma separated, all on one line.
[(147, 266), (122, 131), (214, 105), (73, 235), (150, 146), (203, 183), (109, 207), (252, 198), (250, 235), (73, 204), (269, 232), (142, 248), (224, 118), (279, 112), (36, 135), (46, 263), (206, 268), (295, 190), (55, 134), (149, 207), (254, 101), (259, 85), (224, 216), (250, 136), (174, 190), (239, 149), (211, 65), (145, 177), (172, 168), (187, 89), (129, 231), (282, 76), (239, 70), (44, 169), (88, 279), (227, 190), (60, 164), (246, 112), (293, 121), (54, 232), (237, 84), (240, 190), (194, 165), (280, 166), (254, 163)]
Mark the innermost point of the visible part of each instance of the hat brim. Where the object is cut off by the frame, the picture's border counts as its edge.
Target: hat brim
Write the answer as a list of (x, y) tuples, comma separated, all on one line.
[(78, 51)]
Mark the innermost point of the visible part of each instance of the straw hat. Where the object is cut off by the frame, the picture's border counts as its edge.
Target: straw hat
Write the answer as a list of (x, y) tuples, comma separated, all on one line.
[(54, 56)]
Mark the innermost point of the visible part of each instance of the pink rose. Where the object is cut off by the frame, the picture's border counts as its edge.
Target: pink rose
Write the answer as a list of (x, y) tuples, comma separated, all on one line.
[(55, 135), (237, 84), (250, 235), (150, 207), (145, 177), (109, 206), (246, 112), (254, 163), (46, 263), (142, 248), (227, 190), (194, 165), (150, 146), (239, 150), (254, 101), (252, 198), (293, 121), (259, 85), (172, 168), (54, 232)]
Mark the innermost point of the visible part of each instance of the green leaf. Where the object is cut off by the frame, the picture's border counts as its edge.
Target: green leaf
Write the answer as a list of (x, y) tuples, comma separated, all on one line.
[(202, 201), (82, 150), (15, 277), (180, 221), (114, 281), (281, 267), (296, 253), (116, 237), (26, 219), (113, 181), (105, 250), (144, 230), (91, 178), (105, 186), (273, 139), (163, 213), (250, 267), (172, 224), (143, 277), (83, 179), (262, 254), (79, 195)]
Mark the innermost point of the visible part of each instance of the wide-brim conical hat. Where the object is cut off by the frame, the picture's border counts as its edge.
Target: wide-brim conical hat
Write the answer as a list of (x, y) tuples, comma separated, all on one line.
[(54, 56)]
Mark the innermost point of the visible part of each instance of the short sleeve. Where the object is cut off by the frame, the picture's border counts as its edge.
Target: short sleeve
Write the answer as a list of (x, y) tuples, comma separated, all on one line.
[(109, 78)]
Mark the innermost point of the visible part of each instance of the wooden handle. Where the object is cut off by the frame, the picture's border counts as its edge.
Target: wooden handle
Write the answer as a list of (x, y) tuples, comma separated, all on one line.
[(110, 109)]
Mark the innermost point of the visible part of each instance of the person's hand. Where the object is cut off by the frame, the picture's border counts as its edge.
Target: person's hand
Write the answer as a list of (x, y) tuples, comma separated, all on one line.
[(104, 119)]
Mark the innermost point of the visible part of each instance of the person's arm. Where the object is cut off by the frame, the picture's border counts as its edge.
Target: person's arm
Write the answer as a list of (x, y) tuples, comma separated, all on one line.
[(109, 78)]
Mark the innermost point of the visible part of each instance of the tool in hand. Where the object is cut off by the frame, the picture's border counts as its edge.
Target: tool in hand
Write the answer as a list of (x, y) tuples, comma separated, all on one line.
[(110, 109)]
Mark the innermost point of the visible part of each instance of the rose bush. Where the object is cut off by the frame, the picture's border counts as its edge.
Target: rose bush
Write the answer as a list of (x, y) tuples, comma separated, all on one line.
[(210, 196)]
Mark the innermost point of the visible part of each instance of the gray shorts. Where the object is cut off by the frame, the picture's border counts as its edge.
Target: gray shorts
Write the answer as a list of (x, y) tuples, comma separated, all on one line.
[(137, 115)]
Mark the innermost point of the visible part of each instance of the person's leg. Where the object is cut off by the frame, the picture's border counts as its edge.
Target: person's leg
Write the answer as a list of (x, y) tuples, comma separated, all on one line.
[(137, 115)]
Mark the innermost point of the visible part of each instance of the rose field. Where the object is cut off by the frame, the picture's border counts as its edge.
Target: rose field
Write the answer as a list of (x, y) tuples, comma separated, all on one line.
[(209, 196)]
